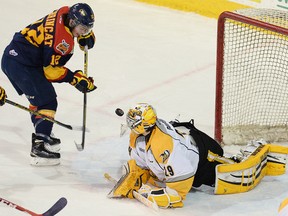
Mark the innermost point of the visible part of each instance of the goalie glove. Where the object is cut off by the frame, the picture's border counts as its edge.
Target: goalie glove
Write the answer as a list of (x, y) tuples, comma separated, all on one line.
[(86, 40), (164, 197), (132, 179), (82, 82), (2, 96)]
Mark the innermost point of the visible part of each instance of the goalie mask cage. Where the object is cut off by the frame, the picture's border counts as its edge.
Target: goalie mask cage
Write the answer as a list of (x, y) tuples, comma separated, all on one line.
[(252, 76)]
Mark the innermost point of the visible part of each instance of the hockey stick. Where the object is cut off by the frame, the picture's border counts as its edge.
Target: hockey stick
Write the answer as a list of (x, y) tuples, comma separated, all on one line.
[(57, 207), (137, 195), (80, 147), (79, 128)]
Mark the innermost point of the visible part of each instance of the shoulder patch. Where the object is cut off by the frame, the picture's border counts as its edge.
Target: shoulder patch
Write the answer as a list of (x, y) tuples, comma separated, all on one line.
[(165, 155), (62, 47), (63, 41)]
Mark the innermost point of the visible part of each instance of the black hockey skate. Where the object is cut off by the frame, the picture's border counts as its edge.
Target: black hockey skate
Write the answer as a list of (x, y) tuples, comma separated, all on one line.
[(44, 153)]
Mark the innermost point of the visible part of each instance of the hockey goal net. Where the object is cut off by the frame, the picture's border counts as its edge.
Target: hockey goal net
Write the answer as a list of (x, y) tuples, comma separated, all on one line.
[(252, 76)]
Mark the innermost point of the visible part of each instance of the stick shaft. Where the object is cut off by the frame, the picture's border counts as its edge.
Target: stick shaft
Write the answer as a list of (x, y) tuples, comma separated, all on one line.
[(39, 114), (80, 147), (15, 206), (58, 206)]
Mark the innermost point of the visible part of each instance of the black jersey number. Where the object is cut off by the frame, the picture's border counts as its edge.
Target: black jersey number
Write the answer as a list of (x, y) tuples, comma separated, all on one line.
[(168, 171)]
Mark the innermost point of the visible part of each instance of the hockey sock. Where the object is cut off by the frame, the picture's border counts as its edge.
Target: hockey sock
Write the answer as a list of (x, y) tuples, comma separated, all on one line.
[(42, 126)]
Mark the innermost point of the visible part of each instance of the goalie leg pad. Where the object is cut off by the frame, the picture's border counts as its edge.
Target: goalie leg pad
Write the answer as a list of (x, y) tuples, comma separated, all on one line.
[(163, 197), (244, 176), (277, 158), (267, 159)]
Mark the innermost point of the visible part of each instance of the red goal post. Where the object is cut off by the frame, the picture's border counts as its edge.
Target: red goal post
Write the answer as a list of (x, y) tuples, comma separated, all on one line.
[(252, 76)]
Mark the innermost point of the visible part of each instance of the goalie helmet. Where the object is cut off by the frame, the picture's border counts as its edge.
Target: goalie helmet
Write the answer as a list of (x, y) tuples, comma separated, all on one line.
[(81, 14), (141, 118)]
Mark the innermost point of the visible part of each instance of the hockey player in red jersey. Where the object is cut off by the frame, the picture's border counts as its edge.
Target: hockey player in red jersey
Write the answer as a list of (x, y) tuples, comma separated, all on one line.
[(36, 58), (2, 96)]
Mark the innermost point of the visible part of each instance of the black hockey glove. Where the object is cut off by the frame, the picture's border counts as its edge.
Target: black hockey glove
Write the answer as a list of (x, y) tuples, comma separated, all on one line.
[(2, 96), (86, 40), (82, 82)]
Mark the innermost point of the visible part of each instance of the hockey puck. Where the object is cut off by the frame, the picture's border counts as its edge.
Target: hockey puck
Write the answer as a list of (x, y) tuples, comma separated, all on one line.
[(119, 112)]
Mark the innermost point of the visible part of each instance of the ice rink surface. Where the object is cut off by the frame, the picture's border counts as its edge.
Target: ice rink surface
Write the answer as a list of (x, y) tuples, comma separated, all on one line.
[(143, 54)]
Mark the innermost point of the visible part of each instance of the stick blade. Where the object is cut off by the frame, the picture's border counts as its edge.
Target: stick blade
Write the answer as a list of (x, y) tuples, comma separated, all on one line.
[(153, 205), (57, 207), (79, 147)]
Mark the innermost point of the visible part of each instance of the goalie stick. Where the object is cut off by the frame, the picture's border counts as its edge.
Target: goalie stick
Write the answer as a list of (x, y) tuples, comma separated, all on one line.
[(137, 195), (57, 207), (79, 128)]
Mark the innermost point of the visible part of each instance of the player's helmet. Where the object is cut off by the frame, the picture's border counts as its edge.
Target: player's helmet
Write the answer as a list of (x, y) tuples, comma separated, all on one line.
[(81, 14), (141, 118)]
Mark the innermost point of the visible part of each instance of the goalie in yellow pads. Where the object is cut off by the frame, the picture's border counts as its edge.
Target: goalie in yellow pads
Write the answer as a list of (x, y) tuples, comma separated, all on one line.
[(169, 158)]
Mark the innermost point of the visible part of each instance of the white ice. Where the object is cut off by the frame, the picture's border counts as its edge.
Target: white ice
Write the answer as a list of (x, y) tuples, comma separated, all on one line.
[(143, 53)]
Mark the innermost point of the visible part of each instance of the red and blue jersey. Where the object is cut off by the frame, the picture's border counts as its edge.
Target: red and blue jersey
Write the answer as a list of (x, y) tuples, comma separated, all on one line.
[(46, 43)]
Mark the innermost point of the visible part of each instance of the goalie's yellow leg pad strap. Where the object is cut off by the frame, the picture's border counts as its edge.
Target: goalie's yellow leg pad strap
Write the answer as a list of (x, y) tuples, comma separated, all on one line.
[(244, 176), (276, 160)]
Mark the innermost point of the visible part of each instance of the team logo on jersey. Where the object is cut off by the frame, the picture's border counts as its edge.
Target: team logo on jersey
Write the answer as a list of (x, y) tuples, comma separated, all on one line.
[(63, 47), (165, 155)]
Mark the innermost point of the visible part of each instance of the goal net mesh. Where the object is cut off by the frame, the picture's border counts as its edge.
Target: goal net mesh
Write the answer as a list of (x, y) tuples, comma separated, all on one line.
[(253, 86)]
